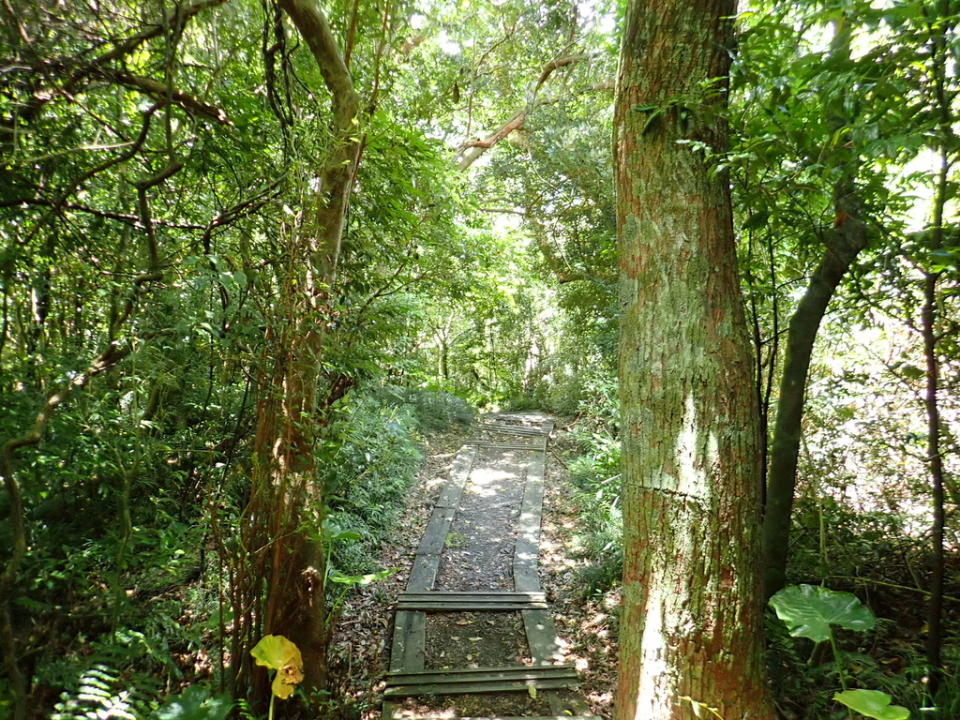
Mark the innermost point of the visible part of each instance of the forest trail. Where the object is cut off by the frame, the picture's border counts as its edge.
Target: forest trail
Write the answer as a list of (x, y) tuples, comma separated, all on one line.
[(473, 633)]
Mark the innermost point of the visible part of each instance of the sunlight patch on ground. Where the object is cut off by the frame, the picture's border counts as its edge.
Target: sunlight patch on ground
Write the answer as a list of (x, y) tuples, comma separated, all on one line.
[(487, 482)]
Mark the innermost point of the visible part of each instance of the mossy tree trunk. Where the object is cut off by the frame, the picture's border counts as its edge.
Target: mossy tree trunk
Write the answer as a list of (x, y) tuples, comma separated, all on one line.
[(691, 620)]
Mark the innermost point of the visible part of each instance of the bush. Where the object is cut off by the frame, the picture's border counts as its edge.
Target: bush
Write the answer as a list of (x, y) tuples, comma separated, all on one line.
[(371, 456), (596, 475)]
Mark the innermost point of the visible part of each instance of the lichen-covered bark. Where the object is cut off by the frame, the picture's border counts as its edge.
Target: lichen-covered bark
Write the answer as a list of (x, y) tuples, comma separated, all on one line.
[(691, 624)]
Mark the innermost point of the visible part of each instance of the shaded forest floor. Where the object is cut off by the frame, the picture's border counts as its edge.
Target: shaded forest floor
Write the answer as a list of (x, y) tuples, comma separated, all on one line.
[(586, 625)]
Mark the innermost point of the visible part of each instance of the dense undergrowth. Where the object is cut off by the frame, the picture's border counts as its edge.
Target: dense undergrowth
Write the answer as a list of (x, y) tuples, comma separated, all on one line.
[(135, 635), (868, 552)]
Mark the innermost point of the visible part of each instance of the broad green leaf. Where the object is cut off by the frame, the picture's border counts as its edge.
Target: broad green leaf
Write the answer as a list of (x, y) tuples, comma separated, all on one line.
[(872, 704), (809, 611), (195, 703)]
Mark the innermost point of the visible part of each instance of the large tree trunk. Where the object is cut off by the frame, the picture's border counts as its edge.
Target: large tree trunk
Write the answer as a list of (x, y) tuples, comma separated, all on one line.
[(691, 620)]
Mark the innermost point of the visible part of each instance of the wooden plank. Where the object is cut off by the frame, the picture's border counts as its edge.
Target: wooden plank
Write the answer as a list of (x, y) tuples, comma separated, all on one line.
[(436, 532), (481, 674), (459, 472), (415, 652), (512, 428), (531, 432), (527, 547), (467, 688), (495, 446), (423, 574), (409, 641), (469, 606), (409, 634), (401, 626), (567, 667), (541, 637), (478, 680), (480, 594), (449, 497), (538, 623)]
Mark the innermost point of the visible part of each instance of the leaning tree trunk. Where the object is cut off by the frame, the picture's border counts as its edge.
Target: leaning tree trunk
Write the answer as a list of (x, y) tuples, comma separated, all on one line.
[(691, 621), (785, 447), (843, 243)]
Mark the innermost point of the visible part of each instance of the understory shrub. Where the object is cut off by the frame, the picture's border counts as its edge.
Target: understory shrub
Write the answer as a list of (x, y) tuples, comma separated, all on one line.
[(371, 456), (595, 473)]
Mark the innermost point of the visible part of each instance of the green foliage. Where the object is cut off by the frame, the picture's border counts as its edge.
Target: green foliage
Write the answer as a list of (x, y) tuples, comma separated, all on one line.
[(809, 611), (434, 410), (370, 457), (98, 693), (595, 473), (101, 692), (872, 704), (812, 612), (194, 703)]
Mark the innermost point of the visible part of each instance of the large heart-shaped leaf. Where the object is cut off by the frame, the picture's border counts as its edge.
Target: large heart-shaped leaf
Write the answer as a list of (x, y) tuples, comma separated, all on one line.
[(809, 611), (275, 652), (872, 704)]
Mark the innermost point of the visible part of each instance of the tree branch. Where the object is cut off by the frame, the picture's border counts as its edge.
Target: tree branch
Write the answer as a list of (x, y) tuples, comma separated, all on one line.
[(313, 26), (161, 93), (473, 149)]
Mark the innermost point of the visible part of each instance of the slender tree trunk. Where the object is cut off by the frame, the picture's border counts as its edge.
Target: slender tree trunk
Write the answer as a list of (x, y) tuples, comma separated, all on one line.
[(691, 620), (928, 329), (842, 245), (785, 447), (283, 529), (928, 321)]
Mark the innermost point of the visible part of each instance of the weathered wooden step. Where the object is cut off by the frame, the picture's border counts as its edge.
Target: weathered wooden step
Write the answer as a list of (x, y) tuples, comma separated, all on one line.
[(471, 601), (506, 717), (513, 428), (498, 446), (480, 680), (506, 430)]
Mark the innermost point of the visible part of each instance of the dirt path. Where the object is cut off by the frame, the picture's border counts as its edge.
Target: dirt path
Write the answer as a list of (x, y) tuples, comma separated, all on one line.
[(474, 635)]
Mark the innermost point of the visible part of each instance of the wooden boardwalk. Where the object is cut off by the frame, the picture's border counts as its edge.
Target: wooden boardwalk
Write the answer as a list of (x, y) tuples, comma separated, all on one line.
[(407, 675)]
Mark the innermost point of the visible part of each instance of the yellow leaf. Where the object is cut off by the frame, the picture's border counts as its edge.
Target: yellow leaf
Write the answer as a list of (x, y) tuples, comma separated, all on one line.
[(532, 691), (275, 652), (278, 653), (285, 682)]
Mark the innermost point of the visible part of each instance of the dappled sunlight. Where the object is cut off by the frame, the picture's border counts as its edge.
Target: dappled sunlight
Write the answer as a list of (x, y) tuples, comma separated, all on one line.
[(437, 482), (693, 457), (487, 482)]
